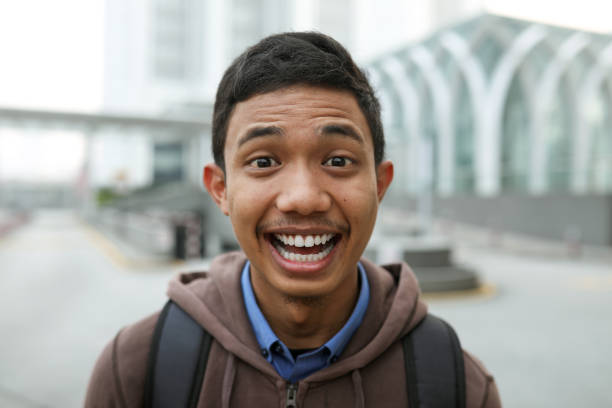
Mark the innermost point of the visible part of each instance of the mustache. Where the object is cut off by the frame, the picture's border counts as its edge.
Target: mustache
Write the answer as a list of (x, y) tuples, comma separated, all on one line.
[(306, 222)]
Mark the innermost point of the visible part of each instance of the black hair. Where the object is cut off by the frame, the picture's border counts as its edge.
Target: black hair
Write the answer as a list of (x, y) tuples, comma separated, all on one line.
[(287, 59)]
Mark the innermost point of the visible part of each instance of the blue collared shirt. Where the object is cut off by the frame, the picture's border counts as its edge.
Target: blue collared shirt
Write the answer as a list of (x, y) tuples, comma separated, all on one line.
[(277, 353)]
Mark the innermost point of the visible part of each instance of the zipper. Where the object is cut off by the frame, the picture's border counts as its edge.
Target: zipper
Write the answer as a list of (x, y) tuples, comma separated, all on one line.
[(291, 402)]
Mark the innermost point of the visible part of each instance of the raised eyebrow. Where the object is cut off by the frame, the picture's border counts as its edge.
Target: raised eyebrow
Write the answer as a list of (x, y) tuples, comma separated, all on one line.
[(260, 132), (343, 130)]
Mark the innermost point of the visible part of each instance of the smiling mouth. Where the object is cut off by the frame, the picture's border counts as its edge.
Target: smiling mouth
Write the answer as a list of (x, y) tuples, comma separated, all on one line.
[(304, 248)]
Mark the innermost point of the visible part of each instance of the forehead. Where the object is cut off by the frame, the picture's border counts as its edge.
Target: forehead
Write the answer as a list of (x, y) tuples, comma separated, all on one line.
[(304, 106)]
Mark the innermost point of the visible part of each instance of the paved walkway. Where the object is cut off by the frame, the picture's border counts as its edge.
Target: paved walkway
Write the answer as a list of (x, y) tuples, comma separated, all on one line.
[(543, 327), (545, 332), (66, 290)]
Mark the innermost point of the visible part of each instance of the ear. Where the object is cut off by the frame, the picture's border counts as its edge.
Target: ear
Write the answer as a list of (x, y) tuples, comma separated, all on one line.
[(214, 180), (384, 176)]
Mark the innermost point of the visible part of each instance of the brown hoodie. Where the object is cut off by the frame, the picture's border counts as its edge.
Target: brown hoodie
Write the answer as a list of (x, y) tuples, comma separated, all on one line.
[(369, 373)]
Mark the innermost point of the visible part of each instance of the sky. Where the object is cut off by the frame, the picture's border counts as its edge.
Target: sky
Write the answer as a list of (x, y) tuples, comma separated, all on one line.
[(52, 54), (592, 15), (52, 57), (48, 157)]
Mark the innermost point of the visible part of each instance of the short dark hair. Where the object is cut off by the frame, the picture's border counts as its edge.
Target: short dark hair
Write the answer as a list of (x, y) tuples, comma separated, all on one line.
[(287, 59)]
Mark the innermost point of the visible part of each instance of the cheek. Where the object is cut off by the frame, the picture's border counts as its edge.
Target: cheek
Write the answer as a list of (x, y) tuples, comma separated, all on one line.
[(248, 202), (359, 202)]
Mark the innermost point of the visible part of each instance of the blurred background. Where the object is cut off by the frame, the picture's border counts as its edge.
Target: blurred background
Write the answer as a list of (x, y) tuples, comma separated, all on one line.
[(498, 117)]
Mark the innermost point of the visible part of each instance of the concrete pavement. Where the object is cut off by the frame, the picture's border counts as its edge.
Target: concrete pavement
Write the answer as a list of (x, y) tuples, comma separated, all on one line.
[(65, 292)]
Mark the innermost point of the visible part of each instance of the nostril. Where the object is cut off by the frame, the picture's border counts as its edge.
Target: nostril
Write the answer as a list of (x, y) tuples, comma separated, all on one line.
[(303, 200)]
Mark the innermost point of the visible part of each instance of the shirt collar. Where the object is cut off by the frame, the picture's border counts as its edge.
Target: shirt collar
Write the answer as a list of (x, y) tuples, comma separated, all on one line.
[(263, 332), (266, 337)]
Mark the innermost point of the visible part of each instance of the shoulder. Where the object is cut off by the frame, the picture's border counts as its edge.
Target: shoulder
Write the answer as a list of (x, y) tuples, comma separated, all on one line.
[(119, 374), (481, 390)]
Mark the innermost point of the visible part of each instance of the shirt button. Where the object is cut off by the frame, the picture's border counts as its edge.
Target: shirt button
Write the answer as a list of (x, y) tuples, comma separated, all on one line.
[(333, 359), (264, 353), (277, 348)]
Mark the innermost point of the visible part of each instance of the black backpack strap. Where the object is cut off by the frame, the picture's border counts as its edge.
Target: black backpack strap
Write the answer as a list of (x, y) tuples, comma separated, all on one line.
[(177, 360), (435, 375)]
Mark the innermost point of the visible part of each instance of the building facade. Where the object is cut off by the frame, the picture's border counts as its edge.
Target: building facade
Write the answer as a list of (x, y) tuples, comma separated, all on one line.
[(165, 58)]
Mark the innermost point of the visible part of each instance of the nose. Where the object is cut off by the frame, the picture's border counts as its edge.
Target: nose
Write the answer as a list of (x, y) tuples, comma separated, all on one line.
[(303, 192)]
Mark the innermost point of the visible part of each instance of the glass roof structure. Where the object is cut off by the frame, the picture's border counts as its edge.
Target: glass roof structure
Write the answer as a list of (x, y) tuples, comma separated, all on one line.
[(495, 105)]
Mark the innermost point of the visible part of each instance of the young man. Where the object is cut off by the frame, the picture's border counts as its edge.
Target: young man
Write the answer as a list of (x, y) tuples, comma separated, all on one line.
[(297, 318)]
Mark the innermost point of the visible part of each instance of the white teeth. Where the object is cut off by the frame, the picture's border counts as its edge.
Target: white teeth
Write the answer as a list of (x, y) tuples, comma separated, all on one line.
[(303, 241), (309, 241), (303, 257)]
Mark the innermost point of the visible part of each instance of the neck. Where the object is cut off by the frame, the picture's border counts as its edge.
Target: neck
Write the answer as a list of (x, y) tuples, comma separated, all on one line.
[(307, 322)]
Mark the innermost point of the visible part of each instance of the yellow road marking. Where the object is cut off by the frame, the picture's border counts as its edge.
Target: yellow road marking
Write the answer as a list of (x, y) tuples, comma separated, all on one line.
[(116, 256), (484, 291), (594, 283)]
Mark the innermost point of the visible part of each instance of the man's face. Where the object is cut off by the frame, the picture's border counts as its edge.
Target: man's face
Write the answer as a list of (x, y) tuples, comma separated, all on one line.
[(301, 189)]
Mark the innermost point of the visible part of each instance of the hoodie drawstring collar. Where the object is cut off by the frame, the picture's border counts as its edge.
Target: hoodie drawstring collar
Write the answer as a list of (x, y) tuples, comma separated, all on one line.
[(228, 381), (358, 389)]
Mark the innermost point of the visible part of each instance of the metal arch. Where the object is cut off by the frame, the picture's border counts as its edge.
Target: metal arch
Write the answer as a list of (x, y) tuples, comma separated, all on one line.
[(527, 74), (443, 110), (496, 97), (396, 71), (470, 67), (582, 139), (385, 94), (506, 37), (475, 79), (498, 31), (609, 80), (388, 98), (406, 92), (575, 80), (590, 51), (544, 94)]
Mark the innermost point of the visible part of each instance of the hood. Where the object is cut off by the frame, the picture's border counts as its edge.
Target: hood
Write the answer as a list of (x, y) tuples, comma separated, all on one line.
[(214, 299)]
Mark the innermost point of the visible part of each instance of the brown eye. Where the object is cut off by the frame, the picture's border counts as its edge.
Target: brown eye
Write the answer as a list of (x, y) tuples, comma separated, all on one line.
[(263, 162), (338, 161)]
